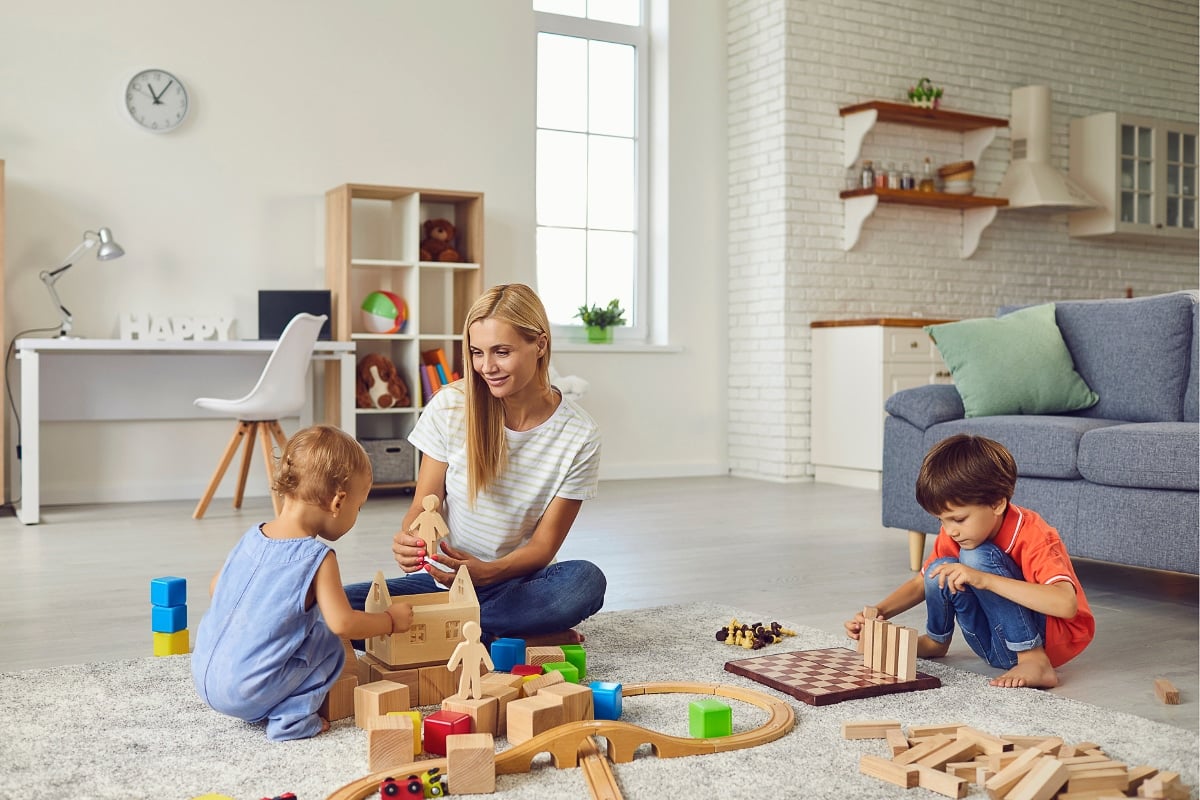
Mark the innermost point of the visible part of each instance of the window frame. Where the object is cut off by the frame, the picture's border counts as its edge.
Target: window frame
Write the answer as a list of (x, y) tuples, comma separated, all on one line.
[(638, 325)]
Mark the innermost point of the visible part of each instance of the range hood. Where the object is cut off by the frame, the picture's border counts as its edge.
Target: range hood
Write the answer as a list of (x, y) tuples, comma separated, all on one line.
[(1031, 181)]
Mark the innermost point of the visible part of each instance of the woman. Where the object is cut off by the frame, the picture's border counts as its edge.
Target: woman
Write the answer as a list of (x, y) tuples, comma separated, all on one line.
[(512, 461)]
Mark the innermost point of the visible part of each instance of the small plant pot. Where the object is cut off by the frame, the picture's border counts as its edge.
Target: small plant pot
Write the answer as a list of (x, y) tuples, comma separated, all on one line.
[(598, 335)]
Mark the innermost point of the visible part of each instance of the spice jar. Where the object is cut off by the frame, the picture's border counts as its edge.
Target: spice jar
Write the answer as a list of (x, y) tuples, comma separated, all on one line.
[(867, 178), (927, 184)]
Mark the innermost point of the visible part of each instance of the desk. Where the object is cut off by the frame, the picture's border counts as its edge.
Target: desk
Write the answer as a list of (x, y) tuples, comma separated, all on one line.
[(115, 379)]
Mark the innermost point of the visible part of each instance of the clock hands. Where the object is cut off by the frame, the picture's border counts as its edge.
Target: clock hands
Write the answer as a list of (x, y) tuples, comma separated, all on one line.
[(158, 97)]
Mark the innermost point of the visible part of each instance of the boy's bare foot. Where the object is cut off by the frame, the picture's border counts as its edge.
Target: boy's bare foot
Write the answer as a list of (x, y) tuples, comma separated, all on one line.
[(928, 648), (569, 636), (1033, 670), (324, 725)]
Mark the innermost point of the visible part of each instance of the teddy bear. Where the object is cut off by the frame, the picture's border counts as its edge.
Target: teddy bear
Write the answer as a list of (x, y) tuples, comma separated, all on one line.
[(379, 384), (438, 244)]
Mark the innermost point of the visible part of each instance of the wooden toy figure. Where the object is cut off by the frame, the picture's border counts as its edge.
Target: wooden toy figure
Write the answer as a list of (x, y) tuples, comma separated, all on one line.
[(430, 527), (471, 653)]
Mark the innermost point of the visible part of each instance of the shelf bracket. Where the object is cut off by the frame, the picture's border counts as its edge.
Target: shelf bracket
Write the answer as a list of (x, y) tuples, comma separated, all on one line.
[(857, 209), (855, 127), (976, 141), (975, 221)]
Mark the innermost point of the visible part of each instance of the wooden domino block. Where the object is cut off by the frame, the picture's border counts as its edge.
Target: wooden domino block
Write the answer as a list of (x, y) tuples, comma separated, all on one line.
[(915, 753), (339, 703), (866, 640), (1108, 777), (879, 643), (1166, 691), (1043, 780), (870, 729), (470, 763), (903, 775), (891, 649), (987, 743), (999, 785), (377, 699), (389, 742), (937, 781), (920, 731), (576, 700), (530, 716), (897, 742), (869, 613), (906, 653), (954, 750)]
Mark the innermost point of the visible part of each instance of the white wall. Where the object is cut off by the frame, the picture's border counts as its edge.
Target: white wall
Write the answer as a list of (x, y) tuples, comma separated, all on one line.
[(291, 98), (792, 64)]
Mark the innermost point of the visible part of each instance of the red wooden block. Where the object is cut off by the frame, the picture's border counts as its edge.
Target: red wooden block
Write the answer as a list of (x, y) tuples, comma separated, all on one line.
[(440, 724), (526, 669)]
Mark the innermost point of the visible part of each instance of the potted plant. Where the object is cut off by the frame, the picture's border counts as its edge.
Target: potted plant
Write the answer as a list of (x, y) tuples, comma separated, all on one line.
[(601, 319)]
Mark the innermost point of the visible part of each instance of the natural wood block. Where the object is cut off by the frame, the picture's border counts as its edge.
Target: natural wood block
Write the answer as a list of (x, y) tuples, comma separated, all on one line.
[(1139, 774), (1166, 691), (937, 781), (869, 728), (897, 742), (470, 763), (869, 613), (414, 718), (377, 699), (576, 700), (1041, 782), (531, 686), (867, 639), (891, 649), (436, 683), (986, 742), (339, 703), (529, 716), (1083, 780), (999, 785), (506, 678), (915, 753), (1041, 742), (549, 654), (484, 712), (389, 742), (903, 775), (954, 750), (504, 695), (878, 643), (919, 731)]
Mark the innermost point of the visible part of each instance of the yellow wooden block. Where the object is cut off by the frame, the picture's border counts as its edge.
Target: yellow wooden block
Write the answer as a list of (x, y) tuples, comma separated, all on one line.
[(415, 716), (171, 644)]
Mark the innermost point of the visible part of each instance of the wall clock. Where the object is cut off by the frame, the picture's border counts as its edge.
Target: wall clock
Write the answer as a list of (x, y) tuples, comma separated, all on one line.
[(156, 100)]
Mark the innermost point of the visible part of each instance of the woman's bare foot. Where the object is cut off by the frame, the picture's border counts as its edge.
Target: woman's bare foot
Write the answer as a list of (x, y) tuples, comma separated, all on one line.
[(929, 648), (1033, 670), (569, 636)]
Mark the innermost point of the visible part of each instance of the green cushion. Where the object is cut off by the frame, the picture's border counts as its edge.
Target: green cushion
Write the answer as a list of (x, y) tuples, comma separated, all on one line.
[(1014, 364)]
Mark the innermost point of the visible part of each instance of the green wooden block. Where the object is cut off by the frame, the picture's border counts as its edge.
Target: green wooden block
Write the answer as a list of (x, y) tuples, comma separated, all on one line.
[(577, 656), (569, 672), (709, 718)]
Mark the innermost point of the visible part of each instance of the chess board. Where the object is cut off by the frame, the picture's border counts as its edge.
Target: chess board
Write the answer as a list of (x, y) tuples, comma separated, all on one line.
[(825, 677)]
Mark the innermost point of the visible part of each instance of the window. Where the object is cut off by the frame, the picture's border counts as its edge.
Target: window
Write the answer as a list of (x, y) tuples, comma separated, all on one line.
[(591, 165)]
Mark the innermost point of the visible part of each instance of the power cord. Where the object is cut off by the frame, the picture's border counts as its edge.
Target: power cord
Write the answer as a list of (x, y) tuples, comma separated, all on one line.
[(12, 345)]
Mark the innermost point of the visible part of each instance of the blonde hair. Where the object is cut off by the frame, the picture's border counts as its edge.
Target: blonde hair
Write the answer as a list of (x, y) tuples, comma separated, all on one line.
[(965, 470), (317, 463), (487, 449)]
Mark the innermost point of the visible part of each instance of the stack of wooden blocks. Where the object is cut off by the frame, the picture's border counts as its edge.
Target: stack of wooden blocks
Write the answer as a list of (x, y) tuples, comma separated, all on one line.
[(887, 648), (947, 758)]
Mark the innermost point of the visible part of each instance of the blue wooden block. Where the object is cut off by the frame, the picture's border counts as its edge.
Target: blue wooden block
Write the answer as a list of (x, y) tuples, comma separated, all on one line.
[(168, 591), (168, 619), (606, 699), (507, 653)]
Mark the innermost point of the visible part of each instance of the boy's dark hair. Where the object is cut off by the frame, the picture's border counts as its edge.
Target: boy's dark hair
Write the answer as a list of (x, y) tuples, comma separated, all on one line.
[(965, 470)]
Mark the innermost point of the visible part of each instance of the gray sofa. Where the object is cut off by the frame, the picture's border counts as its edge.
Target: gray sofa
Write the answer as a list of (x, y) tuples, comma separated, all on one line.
[(1118, 480)]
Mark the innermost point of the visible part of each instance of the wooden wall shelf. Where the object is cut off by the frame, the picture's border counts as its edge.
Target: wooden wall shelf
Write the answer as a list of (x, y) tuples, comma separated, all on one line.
[(929, 199)]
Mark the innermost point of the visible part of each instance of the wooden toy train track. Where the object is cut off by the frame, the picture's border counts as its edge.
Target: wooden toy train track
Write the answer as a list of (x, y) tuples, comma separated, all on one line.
[(568, 742)]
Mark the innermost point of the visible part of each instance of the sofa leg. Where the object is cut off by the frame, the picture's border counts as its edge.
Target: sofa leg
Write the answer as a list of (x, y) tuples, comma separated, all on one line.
[(916, 550)]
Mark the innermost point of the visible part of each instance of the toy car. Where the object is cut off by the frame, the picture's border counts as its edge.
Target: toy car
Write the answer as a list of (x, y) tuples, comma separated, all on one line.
[(434, 781), (406, 787)]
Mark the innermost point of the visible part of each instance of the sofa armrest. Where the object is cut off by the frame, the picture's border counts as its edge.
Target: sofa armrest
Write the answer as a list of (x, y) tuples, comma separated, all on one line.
[(925, 406)]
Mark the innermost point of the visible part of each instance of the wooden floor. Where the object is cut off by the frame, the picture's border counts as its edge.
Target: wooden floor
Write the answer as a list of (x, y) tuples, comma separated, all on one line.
[(76, 588)]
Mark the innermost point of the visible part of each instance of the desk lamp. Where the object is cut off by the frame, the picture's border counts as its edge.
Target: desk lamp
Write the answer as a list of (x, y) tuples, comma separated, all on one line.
[(107, 250)]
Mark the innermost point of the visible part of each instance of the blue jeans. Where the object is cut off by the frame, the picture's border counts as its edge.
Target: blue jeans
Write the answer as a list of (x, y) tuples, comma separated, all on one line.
[(996, 628), (552, 599)]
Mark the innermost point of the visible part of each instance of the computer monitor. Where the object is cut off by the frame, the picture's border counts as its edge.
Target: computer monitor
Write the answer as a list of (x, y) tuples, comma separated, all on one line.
[(277, 307)]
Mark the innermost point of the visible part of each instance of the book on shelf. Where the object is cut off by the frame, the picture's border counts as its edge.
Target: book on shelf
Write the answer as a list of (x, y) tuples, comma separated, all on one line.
[(426, 388)]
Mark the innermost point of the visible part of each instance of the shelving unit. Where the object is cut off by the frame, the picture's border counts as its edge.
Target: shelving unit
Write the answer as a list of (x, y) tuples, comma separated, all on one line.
[(977, 131), (372, 239)]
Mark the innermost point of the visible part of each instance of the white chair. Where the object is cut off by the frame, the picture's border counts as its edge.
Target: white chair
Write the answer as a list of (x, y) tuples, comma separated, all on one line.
[(280, 392)]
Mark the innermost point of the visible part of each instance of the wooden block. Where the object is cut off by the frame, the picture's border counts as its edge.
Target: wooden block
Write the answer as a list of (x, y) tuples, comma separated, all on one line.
[(954, 750), (576, 700), (904, 775), (484, 712), (1066, 751), (921, 731), (378, 671), (915, 753), (897, 742), (529, 716), (389, 742), (987, 743), (339, 703), (505, 678), (938, 781), (906, 657), (879, 643), (504, 695), (436, 683), (998, 761), (537, 656), (415, 718), (378, 698), (470, 763), (867, 639), (531, 686), (1097, 794), (1087, 748), (1166, 691), (1105, 778), (1087, 760), (967, 770), (1041, 782), (1040, 742), (891, 649), (1139, 774), (869, 729), (999, 785), (869, 613)]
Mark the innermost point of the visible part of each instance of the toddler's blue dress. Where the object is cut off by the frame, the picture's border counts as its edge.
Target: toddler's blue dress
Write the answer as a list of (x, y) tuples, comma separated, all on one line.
[(258, 653)]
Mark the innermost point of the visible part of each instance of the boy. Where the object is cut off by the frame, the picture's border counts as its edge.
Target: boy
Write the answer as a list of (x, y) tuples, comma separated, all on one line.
[(1000, 570)]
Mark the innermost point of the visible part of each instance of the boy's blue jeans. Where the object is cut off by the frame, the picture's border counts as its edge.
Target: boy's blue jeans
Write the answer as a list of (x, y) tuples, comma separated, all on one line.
[(996, 628), (552, 599)]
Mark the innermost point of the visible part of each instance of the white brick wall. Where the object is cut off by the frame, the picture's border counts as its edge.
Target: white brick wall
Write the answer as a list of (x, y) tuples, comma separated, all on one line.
[(793, 63)]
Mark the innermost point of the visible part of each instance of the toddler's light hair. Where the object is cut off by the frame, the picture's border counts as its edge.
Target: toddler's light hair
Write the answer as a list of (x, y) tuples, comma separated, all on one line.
[(317, 463)]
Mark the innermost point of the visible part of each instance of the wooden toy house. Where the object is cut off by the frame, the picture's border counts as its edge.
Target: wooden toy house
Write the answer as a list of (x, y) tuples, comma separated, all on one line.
[(436, 629)]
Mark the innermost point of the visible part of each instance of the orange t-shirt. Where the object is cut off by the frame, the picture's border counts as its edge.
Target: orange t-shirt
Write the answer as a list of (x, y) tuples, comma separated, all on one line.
[(1042, 558)]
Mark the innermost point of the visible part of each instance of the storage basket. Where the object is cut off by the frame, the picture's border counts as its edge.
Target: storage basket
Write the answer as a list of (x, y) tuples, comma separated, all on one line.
[(391, 459)]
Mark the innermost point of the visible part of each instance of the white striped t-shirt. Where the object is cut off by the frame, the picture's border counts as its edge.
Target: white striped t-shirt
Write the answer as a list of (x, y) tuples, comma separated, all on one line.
[(559, 458)]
